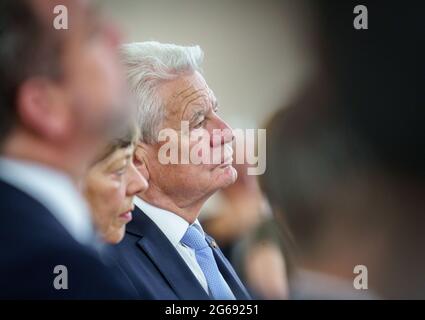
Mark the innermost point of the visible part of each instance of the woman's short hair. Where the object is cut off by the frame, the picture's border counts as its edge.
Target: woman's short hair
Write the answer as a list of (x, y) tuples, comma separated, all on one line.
[(127, 137)]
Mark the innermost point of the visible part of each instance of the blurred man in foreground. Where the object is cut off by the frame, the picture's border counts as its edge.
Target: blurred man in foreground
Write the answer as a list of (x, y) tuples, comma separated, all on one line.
[(61, 92)]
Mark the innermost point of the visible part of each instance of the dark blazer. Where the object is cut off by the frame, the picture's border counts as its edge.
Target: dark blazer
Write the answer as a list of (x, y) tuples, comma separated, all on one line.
[(158, 271), (33, 242)]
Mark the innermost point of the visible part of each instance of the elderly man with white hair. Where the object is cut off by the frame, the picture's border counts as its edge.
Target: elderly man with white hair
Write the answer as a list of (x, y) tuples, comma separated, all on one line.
[(165, 251)]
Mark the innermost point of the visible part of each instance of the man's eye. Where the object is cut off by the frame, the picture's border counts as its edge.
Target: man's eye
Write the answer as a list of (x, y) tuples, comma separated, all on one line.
[(199, 124), (215, 107)]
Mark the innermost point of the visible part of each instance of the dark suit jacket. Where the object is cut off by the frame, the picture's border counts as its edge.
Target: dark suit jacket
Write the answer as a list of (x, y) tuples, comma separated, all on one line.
[(33, 242), (158, 271)]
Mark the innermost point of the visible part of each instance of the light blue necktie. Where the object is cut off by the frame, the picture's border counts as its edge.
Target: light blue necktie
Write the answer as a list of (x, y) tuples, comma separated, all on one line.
[(219, 289)]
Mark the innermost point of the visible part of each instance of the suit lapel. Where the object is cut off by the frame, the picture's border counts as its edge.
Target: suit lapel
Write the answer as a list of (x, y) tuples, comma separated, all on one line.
[(228, 272), (166, 258)]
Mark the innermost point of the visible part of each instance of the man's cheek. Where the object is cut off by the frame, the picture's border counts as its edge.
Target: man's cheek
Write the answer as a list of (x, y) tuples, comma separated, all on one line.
[(199, 150)]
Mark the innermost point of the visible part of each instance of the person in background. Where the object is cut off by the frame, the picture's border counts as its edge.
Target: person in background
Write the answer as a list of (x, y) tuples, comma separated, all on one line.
[(62, 96), (235, 211), (263, 259), (240, 219)]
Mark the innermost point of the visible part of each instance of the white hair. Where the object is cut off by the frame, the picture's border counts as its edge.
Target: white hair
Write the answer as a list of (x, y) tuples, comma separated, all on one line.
[(148, 64)]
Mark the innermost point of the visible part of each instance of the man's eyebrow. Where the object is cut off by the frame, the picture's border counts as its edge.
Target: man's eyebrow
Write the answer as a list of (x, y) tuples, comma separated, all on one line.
[(197, 113), (199, 95)]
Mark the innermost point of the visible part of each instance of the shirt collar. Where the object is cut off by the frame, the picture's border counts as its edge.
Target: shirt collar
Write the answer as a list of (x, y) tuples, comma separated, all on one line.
[(172, 226), (53, 189)]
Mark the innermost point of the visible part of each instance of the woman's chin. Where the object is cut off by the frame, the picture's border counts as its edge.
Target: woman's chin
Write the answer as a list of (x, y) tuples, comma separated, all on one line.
[(115, 236)]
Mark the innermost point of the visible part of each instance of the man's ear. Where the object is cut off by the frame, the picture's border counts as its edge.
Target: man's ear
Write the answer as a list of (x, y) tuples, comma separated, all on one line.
[(140, 159), (42, 110)]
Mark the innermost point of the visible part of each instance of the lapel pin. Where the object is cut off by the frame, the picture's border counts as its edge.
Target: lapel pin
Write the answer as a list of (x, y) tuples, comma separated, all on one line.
[(214, 244)]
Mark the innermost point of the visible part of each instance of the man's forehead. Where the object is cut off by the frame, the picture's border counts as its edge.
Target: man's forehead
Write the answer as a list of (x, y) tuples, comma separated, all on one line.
[(187, 91), (188, 84)]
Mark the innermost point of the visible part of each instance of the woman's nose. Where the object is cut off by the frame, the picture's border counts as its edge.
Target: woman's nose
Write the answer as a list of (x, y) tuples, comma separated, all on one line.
[(137, 183)]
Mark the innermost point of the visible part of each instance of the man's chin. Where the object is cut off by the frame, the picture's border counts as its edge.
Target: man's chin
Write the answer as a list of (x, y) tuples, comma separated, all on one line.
[(227, 175)]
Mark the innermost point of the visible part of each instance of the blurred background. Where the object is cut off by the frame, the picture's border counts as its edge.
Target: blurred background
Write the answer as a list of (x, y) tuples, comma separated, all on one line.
[(343, 109)]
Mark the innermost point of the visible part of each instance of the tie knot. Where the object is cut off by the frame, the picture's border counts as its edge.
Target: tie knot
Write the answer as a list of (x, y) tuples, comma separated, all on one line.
[(194, 239)]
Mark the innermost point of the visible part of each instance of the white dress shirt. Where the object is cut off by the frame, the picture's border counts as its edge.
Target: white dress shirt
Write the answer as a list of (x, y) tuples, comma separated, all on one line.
[(53, 189), (174, 227)]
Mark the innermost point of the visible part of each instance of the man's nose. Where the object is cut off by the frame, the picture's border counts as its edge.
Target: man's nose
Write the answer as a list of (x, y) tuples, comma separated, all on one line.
[(221, 134)]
